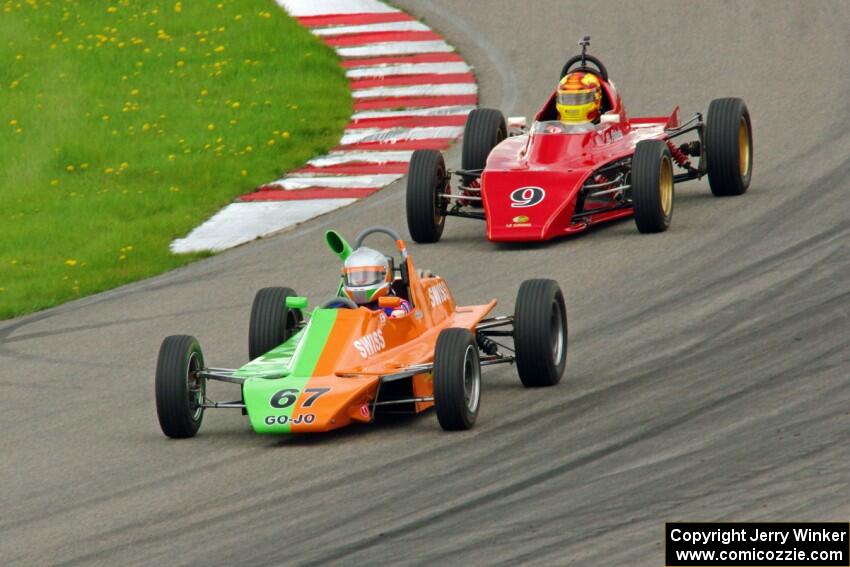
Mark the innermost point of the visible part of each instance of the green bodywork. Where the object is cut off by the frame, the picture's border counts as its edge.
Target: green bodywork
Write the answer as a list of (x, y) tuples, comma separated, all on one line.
[(289, 366)]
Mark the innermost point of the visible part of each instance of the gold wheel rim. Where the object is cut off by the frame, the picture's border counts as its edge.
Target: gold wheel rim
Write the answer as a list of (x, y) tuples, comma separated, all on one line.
[(665, 186), (743, 147)]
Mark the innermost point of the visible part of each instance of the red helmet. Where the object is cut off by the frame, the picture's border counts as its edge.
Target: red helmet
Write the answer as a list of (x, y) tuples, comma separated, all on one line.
[(579, 97)]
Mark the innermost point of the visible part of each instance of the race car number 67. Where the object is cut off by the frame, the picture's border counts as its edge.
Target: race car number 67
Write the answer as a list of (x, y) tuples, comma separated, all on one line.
[(527, 197)]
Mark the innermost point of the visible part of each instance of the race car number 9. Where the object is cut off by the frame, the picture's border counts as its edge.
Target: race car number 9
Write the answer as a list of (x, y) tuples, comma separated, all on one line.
[(527, 197)]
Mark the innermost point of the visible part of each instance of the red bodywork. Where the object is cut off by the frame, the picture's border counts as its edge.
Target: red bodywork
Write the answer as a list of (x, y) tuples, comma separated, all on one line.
[(560, 164)]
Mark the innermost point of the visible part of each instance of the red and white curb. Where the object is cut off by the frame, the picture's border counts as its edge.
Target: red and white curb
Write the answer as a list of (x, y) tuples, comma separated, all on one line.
[(411, 91)]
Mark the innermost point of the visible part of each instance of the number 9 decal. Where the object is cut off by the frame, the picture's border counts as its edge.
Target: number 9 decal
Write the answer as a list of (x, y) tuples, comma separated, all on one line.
[(527, 197)]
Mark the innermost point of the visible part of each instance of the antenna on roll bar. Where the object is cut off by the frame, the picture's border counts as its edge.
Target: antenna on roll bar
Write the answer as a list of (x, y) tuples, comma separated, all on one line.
[(584, 43)]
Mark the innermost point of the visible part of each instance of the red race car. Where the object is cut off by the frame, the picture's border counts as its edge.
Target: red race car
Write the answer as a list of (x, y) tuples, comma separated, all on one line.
[(559, 177)]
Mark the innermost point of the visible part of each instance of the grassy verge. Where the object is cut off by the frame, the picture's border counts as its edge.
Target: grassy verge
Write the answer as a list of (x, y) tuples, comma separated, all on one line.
[(126, 123)]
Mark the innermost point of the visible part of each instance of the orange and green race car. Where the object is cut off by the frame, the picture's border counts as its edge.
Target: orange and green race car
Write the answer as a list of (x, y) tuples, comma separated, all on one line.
[(343, 363)]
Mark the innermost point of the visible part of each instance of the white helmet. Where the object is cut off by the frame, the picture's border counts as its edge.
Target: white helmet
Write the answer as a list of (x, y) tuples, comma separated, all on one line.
[(367, 276)]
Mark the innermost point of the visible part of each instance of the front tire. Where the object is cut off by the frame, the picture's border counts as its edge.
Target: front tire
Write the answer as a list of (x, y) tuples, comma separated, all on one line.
[(652, 186), (540, 333), (728, 147), (180, 391), (457, 379), (426, 210), (271, 323)]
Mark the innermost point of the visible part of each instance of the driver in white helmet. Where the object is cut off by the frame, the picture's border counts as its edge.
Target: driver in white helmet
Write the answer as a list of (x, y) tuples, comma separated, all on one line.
[(368, 277)]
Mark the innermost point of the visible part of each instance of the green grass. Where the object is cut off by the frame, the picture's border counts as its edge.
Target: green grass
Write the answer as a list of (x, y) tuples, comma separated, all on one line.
[(126, 123)]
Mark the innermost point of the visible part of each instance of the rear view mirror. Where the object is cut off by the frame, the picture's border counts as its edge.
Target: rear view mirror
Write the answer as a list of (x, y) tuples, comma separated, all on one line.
[(296, 302), (389, 301)]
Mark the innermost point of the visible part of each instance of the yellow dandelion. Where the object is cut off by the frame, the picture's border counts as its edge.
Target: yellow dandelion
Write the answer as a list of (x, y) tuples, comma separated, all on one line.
[(134, 92), (178, 7), (219, 49), (210, 127), (181, 63), (112, 9), (244, 172), (172, 157), (70, 262), (54, 182), (235, 105), (285, 135), (13, 122), (271, 142), (70, 169)]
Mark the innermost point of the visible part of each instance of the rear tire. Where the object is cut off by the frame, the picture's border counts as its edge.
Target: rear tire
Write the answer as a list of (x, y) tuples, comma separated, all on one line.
[(180, 392), (728, 147), (485, 128), (540, 333), (272, 323), (457, 379), (652, 186), (426, 179)]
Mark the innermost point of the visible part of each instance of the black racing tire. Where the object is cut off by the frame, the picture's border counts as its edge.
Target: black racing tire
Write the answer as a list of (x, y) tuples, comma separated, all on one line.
[(180, 391), (426, 179), (485, 128), (272, 323), (728, 147), (652, 186), (540, 333), (457, 379)]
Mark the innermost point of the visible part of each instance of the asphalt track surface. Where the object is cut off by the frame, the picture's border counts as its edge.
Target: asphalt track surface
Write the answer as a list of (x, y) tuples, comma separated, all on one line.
[(708, 366)]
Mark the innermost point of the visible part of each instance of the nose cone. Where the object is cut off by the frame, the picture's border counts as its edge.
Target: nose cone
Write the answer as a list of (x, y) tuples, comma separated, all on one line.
[(530, 205)]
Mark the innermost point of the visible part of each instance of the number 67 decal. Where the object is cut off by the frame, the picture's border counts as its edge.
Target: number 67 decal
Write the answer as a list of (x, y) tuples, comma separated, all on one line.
[(527, 197), (285, 398)]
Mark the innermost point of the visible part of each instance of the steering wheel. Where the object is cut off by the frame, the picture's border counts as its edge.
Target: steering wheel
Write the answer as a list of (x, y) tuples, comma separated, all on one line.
[(339, 302), (599, 70)]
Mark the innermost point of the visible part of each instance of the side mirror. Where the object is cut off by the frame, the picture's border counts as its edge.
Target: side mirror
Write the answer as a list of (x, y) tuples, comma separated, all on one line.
[(517, 125), (296, 302), (389, 301)]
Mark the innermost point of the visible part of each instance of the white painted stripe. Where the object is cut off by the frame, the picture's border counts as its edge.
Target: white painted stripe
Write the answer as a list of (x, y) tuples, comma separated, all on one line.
[(242, 222), (411, 25), (417, 90), (303, 8), (407, 69), (362, 135), (336, 158), (433, 111), (335, 181), (395, 48)]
